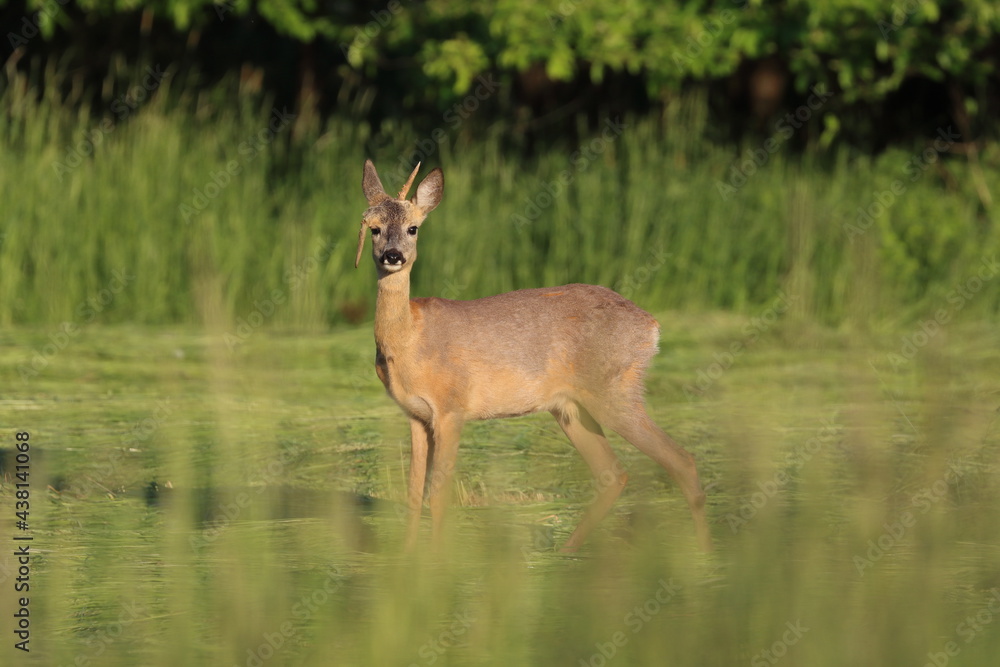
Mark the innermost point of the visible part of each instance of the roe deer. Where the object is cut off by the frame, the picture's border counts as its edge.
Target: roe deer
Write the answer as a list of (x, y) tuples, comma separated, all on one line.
[(578, 351)]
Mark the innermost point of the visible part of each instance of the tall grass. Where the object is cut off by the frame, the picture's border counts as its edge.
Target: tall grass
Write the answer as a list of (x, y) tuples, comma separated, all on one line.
[(260, 555), (642, 211)]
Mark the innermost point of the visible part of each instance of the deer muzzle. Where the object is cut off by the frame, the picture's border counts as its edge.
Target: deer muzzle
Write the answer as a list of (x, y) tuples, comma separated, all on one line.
[(392, 257)]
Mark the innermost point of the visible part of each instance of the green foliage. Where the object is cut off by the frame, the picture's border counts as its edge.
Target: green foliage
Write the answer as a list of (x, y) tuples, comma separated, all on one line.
[(301, 19), (220, 203), (862, 49), (459, 58)]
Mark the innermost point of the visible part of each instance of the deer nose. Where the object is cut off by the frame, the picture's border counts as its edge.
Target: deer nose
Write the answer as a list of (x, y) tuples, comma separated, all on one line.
[(393, 257)]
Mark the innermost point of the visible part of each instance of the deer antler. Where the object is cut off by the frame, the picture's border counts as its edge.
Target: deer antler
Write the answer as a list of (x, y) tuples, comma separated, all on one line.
[(361, 243), (409, 182)]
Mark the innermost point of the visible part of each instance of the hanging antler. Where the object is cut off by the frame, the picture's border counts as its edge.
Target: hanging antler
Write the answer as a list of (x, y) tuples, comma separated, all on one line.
[(361, 242), (409, 182)]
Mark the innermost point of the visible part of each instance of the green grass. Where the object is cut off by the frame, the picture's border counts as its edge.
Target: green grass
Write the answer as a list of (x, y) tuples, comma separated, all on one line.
[(840, 392), (209, 215), (811, 443)]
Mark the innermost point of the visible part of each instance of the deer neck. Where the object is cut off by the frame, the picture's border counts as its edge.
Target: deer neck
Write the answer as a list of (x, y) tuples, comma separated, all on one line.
[(393, 318)]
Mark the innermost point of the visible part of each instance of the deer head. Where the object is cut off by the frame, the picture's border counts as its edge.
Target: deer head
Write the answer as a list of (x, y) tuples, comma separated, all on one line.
[(394, 221)]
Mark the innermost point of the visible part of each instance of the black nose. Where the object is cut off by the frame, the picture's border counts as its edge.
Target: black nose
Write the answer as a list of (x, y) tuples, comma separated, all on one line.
[(392, 257)]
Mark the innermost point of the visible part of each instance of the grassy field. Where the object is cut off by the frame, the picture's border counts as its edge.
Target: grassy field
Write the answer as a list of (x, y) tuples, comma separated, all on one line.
[(217, 475), (853, 498), (197, 206)]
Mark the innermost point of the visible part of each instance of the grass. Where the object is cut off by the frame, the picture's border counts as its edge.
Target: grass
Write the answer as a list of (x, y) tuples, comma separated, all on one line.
[(853, 502), (217, 475), (217, 201)]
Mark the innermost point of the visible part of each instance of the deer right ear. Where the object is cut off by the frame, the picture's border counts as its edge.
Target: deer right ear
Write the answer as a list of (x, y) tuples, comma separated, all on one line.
[(371, 185), (429, 191)]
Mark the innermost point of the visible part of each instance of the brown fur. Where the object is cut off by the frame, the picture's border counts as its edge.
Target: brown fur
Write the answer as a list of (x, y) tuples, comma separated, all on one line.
[(577, 351)]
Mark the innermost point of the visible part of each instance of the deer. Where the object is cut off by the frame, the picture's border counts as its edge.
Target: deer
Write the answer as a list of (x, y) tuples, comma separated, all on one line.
[(577, 351)]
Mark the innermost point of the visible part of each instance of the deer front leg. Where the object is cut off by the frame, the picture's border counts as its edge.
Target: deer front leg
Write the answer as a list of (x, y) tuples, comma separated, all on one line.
[(446, 433), (420, 442)]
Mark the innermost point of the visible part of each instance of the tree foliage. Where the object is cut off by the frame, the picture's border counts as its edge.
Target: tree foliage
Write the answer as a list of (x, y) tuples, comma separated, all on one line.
[(864, 50)]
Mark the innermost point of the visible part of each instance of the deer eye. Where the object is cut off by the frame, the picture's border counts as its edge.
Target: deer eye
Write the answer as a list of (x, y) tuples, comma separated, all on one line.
[(376, 231), (412, 231)]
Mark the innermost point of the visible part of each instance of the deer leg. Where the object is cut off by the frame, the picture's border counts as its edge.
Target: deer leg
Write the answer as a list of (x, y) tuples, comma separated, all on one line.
[(642, 432), (420, 442), (609, 477), (446, 433)]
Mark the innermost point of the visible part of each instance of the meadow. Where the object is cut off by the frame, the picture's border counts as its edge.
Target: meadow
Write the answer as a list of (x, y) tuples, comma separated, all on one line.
[(217, 475)]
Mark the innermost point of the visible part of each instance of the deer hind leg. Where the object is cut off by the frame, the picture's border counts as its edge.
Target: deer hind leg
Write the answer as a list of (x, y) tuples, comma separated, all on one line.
[(609, 476), (636, 426)]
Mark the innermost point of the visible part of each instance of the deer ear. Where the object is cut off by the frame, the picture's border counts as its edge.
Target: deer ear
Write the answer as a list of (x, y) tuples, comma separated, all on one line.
[(371, 185), (429, 191)]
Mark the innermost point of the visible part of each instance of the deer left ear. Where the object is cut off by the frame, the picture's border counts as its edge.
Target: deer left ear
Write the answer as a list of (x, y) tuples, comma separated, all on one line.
[(429, 191), (372, 186)]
